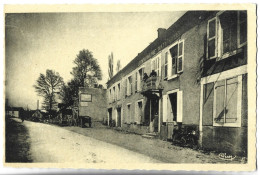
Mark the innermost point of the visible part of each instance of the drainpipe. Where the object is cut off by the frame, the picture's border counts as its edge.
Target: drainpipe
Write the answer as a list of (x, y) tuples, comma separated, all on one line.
[(201, 113), (159, 116)]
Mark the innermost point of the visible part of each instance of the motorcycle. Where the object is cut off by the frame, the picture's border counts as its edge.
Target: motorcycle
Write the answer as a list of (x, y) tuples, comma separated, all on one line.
[(185, 137)]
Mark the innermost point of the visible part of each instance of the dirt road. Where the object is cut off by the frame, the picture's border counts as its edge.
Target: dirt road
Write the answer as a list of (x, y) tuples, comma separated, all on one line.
[(54, 144)]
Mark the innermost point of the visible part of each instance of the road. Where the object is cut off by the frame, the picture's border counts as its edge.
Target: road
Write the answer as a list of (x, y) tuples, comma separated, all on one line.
[(53, 144)]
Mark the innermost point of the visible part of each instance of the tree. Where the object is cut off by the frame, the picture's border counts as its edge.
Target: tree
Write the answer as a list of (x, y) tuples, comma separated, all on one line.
[(86, 73), (110, 65), (118, 66), (87, 70), (69, 92), (48, 86)]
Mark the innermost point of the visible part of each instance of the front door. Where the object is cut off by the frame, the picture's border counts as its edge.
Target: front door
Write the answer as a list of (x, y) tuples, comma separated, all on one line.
[(154, 114), (118, 117), (110, 116)]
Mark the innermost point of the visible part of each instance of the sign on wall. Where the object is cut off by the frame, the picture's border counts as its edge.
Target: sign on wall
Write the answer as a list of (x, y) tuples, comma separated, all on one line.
[(83, 103), (85, 97)]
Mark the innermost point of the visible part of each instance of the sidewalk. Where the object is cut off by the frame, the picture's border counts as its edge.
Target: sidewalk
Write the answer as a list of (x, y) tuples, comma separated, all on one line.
[(155, 148)]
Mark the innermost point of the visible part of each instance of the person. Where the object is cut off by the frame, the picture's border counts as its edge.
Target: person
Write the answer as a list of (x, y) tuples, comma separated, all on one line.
[(145, 77), (22, 118), (153, 74)]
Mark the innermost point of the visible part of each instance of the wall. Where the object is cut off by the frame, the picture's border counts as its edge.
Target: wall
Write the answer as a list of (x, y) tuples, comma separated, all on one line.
[(97, 108), (225, 139)]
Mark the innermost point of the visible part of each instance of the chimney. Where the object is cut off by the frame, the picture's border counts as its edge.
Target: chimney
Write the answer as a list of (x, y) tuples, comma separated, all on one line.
[(161, 33), (37, 104)]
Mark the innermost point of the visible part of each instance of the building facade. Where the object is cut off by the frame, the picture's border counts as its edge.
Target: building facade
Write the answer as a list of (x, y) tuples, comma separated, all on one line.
[(92, 102), (194, 74)]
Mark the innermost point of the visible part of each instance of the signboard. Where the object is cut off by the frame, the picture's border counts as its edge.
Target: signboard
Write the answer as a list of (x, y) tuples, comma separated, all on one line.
[(83, 103), (85, 97)]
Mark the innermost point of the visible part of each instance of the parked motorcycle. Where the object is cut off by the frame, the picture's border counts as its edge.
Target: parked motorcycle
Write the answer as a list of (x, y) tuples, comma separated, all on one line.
[(185, 137)]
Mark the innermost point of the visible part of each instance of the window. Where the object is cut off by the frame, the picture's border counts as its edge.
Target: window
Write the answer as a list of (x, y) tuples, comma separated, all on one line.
[(176, 60), (114, 93), (110, 95), (242, 28), (227, 99), (129, 86), (212, 41), (139, 112), (226, 32), (118, 91), (128, 120), (136, 79), (180, 58), (156, 66), (125, 86), (140, 78), (166, 65)]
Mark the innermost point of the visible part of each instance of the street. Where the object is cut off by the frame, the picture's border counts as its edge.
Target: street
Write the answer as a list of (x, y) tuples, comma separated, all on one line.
[(99, 144), (53, 144)]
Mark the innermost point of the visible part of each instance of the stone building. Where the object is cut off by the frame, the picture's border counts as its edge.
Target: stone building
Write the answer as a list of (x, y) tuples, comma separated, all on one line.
[(194, 74)]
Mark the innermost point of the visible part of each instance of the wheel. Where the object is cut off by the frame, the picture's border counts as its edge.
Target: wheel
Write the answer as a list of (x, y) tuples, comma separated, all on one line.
[(81, 123), (183, 141), (174, 138), (193, 143)]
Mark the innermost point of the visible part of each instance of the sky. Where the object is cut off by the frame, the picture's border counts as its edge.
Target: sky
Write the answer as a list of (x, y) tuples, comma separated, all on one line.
[(35, 42)]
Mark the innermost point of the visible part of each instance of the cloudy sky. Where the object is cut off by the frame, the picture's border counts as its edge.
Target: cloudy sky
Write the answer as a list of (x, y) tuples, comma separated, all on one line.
[(35, 42)]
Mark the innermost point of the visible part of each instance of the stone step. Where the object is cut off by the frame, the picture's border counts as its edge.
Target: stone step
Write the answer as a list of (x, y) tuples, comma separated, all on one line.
[(151, 134), (148, 136)]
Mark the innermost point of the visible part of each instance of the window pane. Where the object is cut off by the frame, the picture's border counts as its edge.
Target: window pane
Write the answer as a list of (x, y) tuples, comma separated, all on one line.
[(173, 66), (180, 64), (211, 48), (226, 39), (166, 58), (212, 28), (174, 51), (174, 54), (220, 97), (231, 100), (166, 70), (242, 15), (180, 48), (243, 32)]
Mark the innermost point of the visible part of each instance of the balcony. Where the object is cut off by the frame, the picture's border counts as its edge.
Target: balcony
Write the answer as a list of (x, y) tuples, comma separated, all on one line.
[(151, 85)]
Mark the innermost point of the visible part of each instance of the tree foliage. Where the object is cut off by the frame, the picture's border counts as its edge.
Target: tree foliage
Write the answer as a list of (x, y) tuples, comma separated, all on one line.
[(87, 70), (110, 65), (118, 66), (69, 92), (48, 86), (86, 73)]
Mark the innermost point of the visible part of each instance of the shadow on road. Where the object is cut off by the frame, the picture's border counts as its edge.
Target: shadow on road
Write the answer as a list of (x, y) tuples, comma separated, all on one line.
[(17, 143)]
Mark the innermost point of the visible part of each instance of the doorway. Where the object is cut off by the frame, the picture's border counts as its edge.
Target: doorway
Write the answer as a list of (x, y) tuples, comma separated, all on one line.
[(109, 116), (155, 113), (119, 117), (173, 106), (139, 112)]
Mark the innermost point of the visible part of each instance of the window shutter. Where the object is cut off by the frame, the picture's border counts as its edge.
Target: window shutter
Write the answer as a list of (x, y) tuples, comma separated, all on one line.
[(166, 65), (180, 57), (136, 78), (125, 86), (179, 106), (165, 108), (212, 39)]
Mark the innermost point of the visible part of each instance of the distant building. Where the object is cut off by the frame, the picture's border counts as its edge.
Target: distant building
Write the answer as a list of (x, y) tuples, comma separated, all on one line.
[(37, 115), (194, 74), (14, 111)]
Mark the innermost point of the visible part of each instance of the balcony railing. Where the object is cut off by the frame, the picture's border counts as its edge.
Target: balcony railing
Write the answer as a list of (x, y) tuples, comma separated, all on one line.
[(152, 83)]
